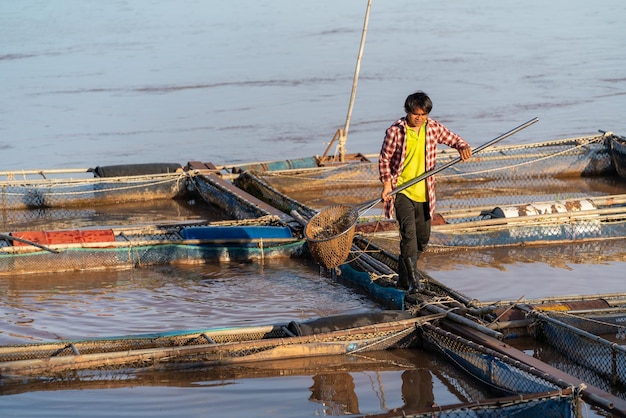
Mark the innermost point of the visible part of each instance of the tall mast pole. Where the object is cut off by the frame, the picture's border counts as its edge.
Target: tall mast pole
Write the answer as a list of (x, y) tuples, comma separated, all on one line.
[(344, 134)]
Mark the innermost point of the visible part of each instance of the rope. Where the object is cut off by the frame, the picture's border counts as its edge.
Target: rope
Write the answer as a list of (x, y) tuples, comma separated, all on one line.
[(360, 251), (580, 143), (621, 329), (533, 161), (374, 276), (383, 340), (328, 171), (327, 180), (108, 189)]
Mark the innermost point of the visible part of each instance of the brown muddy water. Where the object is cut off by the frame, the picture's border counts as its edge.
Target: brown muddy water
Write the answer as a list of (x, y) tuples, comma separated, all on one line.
[(93, 304), (99, 83)]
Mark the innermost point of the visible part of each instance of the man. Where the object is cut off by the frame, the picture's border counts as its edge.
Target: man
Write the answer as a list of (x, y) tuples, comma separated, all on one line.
[(409, 150)]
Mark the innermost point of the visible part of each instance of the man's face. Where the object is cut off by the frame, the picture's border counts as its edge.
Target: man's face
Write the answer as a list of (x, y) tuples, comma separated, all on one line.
[(416, 118)]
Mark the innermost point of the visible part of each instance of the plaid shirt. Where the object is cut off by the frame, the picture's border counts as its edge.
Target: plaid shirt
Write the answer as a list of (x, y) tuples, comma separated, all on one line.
[(393, 153)]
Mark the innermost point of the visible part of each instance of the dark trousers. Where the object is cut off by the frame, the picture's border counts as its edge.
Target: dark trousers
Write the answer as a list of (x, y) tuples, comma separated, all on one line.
[(414, 222)]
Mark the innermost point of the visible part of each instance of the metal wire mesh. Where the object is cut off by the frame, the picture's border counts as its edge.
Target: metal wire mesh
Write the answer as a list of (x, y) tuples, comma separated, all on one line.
[(228, 346), (576, 339), (559, 404), (30, 194), (500, 175), (493, 369), (329, 234), (565, 230)]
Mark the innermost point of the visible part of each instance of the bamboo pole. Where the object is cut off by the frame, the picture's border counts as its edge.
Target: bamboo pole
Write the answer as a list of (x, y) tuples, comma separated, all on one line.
[(344, 133), (337, 342), (152, 243), (556, 299), (563, 217), (607, 200), (44, 172)]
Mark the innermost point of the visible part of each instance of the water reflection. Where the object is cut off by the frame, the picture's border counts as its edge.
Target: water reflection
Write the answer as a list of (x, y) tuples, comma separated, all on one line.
[(563, 256), (335, 391), (533, 272), (341, 385), (417, 389)]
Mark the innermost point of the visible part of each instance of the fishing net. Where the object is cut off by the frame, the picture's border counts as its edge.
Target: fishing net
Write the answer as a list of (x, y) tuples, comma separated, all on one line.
[(504, 376), (136, 247), (197, 348), (563, 403), (28, 193), (329, 234), (578, 338), (500, 175)]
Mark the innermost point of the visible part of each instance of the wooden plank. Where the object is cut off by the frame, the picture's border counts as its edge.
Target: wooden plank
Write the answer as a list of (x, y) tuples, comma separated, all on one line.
[(202, 167), (234, 190)]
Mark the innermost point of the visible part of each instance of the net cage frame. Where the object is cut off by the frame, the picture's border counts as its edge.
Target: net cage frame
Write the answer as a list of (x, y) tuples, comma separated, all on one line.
[(194, 348), (499, 176), (534, 390), (560, 403), (73, 192), (504, 375), (575, 337)]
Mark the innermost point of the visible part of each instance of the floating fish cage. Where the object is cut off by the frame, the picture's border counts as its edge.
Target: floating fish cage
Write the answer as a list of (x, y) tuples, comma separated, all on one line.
[(212, 347), (499, 175), (132, 247), (542, 193), (512, 387), (505, 377), (107, 185), (588, 340)]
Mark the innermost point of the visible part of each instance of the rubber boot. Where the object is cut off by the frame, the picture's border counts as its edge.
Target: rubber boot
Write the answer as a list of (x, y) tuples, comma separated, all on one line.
[(403, 277), (414, 280)]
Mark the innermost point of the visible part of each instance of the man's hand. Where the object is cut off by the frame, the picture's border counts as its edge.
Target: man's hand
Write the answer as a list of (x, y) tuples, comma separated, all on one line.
[(465, 153), (386, 190)]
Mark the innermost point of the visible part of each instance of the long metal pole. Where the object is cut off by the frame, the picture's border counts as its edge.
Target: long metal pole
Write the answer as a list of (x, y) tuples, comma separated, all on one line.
[(458, 159), (363, 208), (344, 134)]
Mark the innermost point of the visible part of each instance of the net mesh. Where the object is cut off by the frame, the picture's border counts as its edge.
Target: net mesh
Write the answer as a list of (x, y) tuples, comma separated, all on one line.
[(535, 231), (493, 369), (103, 345), (48, 193), (499, 175), (536, 394), (329, 234), (503, 376), (137, 247), (567, 171), (560, 404), (577, 339), (214, 347)]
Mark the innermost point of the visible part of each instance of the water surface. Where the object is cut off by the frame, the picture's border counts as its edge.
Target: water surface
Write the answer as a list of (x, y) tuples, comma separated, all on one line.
[(90, 83)]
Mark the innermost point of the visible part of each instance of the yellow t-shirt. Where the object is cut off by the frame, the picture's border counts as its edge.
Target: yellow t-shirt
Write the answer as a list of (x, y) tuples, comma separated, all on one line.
[(414, 164)]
